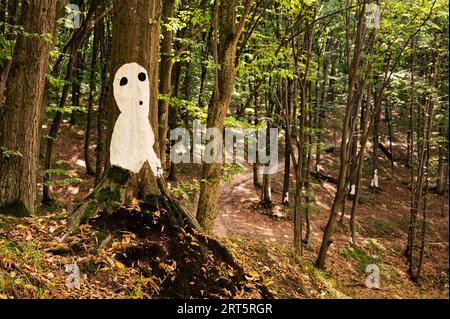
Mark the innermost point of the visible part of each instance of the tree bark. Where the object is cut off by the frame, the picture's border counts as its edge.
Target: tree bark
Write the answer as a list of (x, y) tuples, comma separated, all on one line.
[(10, 14), (92, 86), (287, 144), (165, 77), (173, 115), (132, 42), (225, 46), (346, 141), (105, 52), (21, 112)]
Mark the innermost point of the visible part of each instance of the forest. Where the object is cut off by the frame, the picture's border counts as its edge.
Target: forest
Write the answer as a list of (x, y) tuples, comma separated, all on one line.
[(224, 149)]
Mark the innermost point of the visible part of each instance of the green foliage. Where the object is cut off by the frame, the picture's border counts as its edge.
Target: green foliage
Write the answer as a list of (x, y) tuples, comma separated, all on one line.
[(360, 256), (66, 109), (27, 254), (382, 226), (8, 153), (229, 170), (185, 190), (70, 178), (6, 48), (18, 30)]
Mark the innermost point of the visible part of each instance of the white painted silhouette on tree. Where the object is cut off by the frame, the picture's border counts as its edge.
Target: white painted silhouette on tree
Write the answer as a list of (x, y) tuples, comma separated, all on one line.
[(133, 138)]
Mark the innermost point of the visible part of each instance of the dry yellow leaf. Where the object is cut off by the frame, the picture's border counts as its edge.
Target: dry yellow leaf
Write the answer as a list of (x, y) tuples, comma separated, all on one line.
[(120, 265)]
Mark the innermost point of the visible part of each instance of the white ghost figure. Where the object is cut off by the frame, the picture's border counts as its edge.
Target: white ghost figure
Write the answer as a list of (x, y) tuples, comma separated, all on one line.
[(286, 198), (132, 139), (374, 182)]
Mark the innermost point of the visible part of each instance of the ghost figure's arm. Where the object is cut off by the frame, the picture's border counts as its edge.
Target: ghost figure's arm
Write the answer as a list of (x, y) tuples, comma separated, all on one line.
[(155, 164)]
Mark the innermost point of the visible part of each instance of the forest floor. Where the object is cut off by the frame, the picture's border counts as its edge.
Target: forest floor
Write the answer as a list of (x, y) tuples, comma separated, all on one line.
[(33, 261)]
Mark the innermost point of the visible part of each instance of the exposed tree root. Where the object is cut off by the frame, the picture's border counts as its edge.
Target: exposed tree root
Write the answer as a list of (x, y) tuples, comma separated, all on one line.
[(118, 188), (166, 232)]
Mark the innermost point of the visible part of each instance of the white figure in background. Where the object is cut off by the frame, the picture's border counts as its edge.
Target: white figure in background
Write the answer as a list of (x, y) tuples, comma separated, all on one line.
[(132, 139), (374, 182), (286, 198), (74, 278)]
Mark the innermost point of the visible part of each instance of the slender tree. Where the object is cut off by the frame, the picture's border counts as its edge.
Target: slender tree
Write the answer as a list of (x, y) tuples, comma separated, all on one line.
[(226, 35)]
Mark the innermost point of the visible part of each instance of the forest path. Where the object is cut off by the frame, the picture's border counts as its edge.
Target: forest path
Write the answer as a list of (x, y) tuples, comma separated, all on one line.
[(240, 213)]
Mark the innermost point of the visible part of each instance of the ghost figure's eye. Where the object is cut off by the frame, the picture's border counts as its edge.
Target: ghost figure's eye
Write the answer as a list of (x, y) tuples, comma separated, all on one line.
[(123, 81), (142, 76)]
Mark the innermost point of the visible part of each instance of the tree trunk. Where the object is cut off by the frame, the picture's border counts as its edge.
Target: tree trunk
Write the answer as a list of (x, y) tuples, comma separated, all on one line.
[(359, 168), (421, 190), (12, 12), (92, 86), (225, 45), (22, 110), (173, 115), (47, 196), (76, 86), (105, 50), (410, 138), (256, 175), (346, 141), (375, 142), (165, 77), (132, 42), (321, 108), (204, 69), (287, 144)]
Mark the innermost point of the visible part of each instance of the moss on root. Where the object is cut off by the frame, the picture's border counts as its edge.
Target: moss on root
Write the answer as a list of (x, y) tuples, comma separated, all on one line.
[(109, 195), (115, 191), (118, 175)]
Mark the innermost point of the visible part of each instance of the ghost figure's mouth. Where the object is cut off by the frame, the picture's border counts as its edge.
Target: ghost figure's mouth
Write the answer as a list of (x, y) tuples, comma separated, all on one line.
[(141, 103)]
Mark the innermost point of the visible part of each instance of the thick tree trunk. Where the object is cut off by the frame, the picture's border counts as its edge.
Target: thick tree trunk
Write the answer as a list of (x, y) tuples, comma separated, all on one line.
[(21, 111), (9, 14), (266, 192), (132, 42)]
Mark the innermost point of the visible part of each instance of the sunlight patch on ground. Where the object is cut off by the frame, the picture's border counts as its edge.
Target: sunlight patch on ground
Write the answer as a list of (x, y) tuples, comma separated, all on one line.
[(73, 190), (80, 162), (330, 188)]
